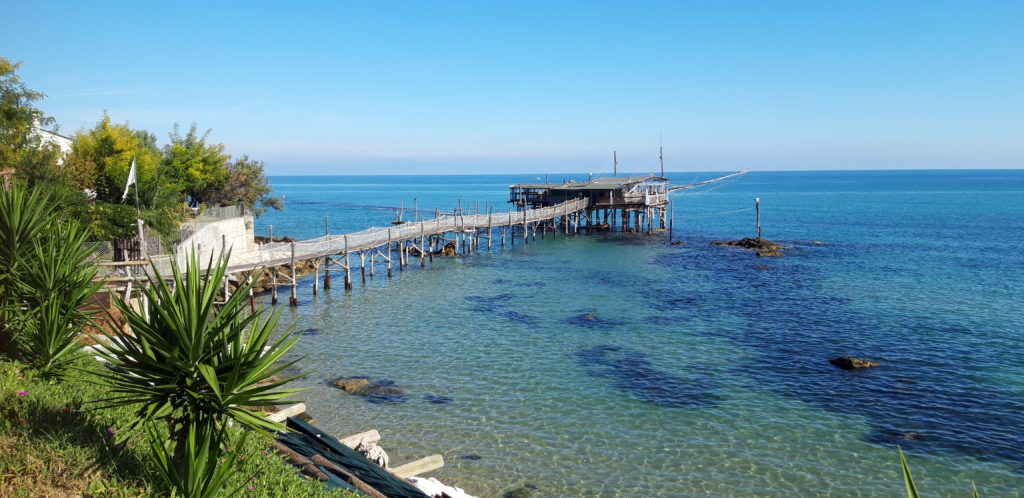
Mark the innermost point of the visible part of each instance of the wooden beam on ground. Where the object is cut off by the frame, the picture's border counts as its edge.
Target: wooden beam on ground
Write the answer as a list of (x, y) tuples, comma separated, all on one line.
[(291, 411), (348, 477), (370, 437), (421, 466)]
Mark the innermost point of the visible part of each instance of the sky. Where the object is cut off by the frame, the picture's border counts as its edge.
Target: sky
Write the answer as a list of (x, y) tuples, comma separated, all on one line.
[(439, 87)]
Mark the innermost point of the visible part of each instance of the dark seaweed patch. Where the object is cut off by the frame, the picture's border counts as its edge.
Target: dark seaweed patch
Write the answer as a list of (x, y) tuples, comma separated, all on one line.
[(493, 300), (591, 321), (791, 329), (633, 373), (307, 332), (505, 281), (440, 400), (386, 399)]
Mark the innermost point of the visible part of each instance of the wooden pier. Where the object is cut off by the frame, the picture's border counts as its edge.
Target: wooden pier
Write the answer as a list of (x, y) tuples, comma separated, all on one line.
[(629, 204)]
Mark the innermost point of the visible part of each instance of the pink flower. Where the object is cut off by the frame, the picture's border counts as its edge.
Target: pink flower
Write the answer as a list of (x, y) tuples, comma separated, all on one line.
[(251, 488), (111, 431), (23, 420), (22, 393)]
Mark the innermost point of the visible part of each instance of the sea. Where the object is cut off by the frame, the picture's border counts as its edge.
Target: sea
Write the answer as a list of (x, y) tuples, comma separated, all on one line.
[(618, 364)]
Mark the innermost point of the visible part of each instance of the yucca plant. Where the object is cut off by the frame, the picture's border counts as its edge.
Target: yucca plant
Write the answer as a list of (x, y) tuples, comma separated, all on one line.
[(24, 216), (908, 479), (206, 474), (194, 364), (56, 287)]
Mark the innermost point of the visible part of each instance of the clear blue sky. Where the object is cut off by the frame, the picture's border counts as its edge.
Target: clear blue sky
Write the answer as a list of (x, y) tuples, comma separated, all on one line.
[(493, 87)]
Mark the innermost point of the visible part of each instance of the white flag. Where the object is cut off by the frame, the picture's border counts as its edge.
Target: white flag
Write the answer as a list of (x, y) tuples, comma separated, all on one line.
[(131, 180)]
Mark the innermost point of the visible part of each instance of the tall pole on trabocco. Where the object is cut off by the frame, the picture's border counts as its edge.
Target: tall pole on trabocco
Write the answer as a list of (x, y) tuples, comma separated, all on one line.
[(757, 207)]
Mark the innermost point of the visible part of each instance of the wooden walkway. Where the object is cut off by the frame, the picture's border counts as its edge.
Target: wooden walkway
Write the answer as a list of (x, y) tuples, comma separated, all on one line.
[(443, 234)]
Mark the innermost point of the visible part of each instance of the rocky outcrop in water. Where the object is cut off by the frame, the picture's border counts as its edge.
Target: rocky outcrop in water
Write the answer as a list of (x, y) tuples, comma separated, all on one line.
[(851, 363), (764, 247), (375, 391)]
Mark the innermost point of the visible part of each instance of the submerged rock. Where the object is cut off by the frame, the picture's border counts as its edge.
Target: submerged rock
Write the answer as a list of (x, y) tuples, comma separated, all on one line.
[(851, 363), (764, 247), (380, 391), (471, 456), (678, 243)]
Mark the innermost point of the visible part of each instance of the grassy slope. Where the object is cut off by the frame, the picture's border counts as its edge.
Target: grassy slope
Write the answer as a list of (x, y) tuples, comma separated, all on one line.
[(53, 442)]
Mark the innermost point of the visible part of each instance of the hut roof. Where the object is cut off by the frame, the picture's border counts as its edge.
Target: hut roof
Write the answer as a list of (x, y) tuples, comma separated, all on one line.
[(604, 183)]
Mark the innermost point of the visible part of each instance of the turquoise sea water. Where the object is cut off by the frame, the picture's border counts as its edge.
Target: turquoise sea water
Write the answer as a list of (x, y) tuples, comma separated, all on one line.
[(706, 371)]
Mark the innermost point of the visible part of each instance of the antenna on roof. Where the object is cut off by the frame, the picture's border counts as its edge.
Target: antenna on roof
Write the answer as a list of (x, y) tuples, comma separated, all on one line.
[(615, 165)]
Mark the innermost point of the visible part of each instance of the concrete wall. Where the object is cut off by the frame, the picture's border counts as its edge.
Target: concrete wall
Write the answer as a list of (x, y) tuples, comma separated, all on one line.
[(235, 234)]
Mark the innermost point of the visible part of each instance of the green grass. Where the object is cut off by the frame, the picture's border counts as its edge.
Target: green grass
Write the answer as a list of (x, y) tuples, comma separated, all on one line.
[(53, 442)]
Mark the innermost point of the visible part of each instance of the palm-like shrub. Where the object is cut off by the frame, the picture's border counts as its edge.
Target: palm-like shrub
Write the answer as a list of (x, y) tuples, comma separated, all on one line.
[(24, 216), (194, 364), (56, 289)]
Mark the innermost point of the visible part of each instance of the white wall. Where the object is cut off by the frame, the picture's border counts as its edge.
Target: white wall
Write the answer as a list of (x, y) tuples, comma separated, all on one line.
[(234, 233)]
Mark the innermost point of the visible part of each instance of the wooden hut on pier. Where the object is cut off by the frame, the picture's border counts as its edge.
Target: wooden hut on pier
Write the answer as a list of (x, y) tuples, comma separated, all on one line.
[(640, 202)]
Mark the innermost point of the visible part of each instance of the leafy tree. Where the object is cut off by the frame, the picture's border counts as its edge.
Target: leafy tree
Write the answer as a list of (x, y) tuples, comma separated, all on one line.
[(200, 169), (18, 117), (248, 187), (101, 158)]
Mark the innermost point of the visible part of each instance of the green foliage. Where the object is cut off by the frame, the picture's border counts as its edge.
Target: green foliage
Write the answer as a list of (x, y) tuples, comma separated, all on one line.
[(24, 218), (57, 287), (200, 169), (53, 443), (248, 187), (195, 364), (18, 118), (205, 475), (907, 478), (101, 158)]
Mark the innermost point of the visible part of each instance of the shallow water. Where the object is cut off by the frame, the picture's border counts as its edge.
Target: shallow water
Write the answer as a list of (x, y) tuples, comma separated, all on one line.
[(620, 365)]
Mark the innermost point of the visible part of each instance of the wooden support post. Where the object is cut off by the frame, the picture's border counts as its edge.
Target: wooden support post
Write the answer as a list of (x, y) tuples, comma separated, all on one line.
[(389, 253), (348, 267), (423, 246), (294, 300), (362, 265), (327, 272), (373, 251), (316, 275), (273, 285), (490, 231), (526, 228), (671, 219)]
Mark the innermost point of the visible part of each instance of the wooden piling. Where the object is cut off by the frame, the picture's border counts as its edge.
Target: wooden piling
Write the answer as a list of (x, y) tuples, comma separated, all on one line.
[(389, 253), (362, 265), (273, 286), (294, 300), (316, 275), (348, 267)]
